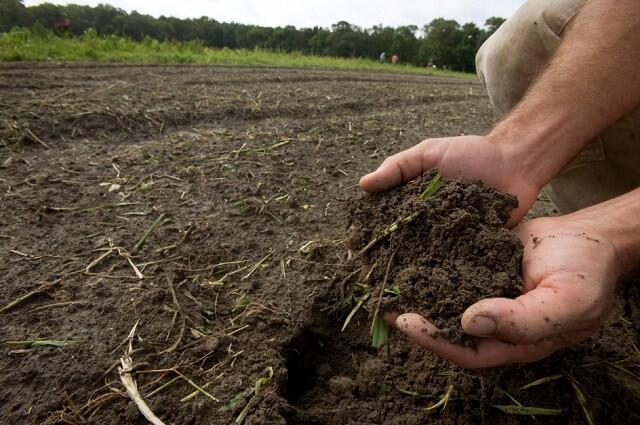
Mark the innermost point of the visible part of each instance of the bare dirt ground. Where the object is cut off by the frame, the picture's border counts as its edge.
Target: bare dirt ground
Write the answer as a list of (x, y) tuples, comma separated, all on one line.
[(207, 206)]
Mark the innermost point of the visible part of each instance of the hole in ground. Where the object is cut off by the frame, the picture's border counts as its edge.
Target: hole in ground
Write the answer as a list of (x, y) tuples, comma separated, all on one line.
[(303, 355)]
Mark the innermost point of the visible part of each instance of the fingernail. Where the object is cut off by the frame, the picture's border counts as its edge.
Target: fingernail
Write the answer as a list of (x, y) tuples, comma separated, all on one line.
[(482, 326)]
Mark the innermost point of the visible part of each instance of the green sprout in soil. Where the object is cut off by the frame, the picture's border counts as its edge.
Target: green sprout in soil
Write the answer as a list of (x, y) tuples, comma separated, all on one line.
[(160, 221), (515, 400), (254, 391), (381, 332), (519, 409), (431, 188), (384, 387), (395, 290), (19, 300), (380, 329), (355, 309), (38, 343)]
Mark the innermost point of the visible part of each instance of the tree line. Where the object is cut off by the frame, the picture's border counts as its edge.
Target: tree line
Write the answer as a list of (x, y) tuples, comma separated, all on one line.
[(442, 42)]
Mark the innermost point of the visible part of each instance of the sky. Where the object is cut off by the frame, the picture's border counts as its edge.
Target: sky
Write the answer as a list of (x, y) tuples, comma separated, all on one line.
[(323, 13)]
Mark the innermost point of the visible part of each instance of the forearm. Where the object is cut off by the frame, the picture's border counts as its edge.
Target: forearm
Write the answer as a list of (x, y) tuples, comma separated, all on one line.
[(592, 81), (619, 220)]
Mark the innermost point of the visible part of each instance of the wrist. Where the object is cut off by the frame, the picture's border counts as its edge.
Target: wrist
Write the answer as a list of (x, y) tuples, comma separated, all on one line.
[(540, 138), (618, 221), (530, 147)]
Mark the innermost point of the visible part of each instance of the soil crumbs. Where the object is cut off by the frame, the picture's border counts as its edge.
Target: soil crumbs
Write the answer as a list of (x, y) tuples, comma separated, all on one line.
[(204, 204), (450, 249)]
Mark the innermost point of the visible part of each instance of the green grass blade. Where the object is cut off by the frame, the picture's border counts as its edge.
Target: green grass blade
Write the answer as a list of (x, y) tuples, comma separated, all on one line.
[(389, 230), (407, 392), (515, 400), (355, 310), (431, 188), (514, 409), (381, 332), (541, 381), (395, 290), (236, 400), (582, 399)]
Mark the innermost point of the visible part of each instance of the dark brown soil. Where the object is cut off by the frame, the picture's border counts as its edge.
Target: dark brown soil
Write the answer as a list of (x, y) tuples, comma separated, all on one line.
[(249, 166), (455, 251)]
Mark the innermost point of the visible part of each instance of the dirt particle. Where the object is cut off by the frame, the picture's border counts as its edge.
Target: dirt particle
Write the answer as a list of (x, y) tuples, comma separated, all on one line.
[(370, 377), (292, 219), (342, 386), (536, 241), (324, 370)]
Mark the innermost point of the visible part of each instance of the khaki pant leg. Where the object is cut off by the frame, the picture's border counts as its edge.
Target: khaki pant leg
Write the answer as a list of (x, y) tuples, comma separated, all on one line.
[(510, 60)]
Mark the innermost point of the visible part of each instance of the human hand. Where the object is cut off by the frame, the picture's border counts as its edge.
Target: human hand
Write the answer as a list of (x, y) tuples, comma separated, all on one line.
[(569, 272), (467, 157)]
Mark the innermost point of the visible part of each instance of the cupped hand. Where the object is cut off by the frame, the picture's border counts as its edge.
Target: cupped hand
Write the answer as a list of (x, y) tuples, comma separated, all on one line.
[(569, 271), (468, 157)]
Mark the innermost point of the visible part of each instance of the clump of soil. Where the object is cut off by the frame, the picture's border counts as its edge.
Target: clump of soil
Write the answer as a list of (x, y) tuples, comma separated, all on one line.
[(448, 251)]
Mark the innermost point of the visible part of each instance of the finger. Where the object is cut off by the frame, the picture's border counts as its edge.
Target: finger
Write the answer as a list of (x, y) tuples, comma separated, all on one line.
[(488, 353), (424, 333), (397, 169), (542, 313), (390, 317)]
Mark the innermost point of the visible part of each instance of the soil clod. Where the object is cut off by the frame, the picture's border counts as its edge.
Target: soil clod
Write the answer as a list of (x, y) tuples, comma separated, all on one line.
[(452, 248)]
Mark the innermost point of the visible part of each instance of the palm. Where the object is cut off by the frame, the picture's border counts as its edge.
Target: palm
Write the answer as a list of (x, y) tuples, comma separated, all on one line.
[(568, 272)]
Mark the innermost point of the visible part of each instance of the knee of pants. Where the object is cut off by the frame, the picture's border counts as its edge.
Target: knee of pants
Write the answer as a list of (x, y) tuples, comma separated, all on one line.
[(607, 167), (509, 61)]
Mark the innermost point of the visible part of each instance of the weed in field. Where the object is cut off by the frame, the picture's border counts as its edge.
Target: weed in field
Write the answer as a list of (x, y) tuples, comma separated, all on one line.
[(252, 392)]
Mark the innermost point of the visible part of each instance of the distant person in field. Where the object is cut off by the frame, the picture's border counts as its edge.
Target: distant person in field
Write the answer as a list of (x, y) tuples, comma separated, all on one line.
[(565, 75), (395, 59), (64, 26), (383, 57)]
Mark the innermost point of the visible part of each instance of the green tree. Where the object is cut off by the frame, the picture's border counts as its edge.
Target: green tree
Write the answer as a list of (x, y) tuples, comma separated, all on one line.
[(47, 14), (405, 44), (346, 40), (492, 24), (444, 42), (12, 14), (440, 44), (470, 39)]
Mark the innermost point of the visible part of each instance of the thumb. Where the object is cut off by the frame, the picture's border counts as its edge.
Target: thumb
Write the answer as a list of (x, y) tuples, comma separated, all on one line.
[(398, 169), (539, 314)]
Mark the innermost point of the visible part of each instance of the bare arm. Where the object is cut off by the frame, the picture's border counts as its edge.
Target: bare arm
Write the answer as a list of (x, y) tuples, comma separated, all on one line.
[(592, 81)]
